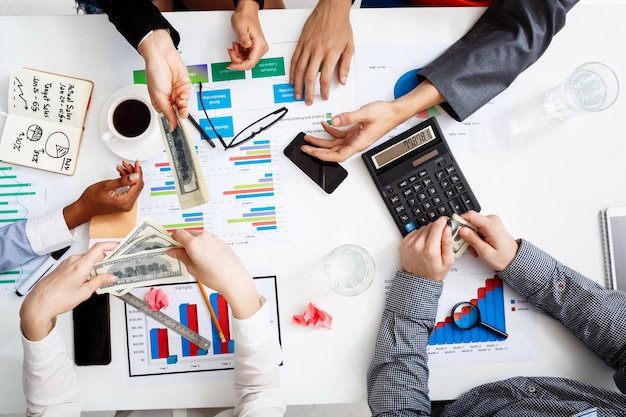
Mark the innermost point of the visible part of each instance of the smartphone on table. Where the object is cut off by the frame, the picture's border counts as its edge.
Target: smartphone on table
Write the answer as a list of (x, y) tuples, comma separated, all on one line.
[(92, 331), (327, 175)]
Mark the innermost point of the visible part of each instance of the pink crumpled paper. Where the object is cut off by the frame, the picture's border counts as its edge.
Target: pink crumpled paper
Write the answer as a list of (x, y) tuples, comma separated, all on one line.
[(313, 316), (157, 299)]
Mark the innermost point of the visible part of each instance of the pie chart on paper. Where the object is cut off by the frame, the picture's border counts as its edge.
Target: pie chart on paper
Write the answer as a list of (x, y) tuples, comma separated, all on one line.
[(57, 145)]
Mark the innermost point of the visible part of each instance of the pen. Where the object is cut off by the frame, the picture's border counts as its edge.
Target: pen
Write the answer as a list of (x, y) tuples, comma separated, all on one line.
[(40, 272), (213, 317), (201, 130)]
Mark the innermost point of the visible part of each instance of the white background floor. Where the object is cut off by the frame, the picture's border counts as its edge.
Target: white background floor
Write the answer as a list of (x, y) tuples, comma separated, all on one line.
[(67, 7)]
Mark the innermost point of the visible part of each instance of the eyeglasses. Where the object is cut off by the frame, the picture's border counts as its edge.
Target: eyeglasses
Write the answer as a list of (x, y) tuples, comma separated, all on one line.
[(249, 131)]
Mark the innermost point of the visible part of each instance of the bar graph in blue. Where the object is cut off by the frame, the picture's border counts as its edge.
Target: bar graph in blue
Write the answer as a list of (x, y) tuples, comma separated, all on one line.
[(490, 303)]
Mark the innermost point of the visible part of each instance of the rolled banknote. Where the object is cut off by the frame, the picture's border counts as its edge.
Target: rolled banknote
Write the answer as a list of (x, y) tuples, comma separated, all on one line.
[(188, 178), (459, 245)]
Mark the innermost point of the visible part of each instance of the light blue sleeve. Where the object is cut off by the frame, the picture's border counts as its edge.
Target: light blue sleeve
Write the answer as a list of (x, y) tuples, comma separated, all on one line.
[(15, 249)]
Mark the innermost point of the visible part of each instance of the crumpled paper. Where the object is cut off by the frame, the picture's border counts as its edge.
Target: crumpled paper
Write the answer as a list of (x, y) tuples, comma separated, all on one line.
[(313, 316), (157, 299)]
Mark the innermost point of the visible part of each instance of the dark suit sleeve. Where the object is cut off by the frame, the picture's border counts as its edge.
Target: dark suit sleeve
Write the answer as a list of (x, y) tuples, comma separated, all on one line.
[(134, 19), (509, 37)]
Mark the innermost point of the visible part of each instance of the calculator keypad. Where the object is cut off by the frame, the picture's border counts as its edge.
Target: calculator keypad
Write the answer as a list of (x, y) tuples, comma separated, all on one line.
[(435, 191)]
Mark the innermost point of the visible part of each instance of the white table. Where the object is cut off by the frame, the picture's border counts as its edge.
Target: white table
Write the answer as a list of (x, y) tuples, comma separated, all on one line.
[(548, 188)]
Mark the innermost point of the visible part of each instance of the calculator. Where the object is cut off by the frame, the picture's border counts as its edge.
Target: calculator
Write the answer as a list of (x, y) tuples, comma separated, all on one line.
[(418, 177)]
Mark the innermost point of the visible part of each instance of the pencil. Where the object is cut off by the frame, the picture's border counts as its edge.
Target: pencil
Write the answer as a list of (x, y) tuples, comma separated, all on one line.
[(213, 317), (201, 130)]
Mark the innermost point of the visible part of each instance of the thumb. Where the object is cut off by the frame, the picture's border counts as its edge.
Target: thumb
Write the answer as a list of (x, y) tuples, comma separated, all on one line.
[(181, 255), (98, 281), (345, 119), (446, 242), (245, 41), (471, 237)]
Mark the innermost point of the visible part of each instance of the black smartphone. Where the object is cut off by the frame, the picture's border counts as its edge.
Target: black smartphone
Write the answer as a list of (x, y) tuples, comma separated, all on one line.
[(92, 331), (328, 175)]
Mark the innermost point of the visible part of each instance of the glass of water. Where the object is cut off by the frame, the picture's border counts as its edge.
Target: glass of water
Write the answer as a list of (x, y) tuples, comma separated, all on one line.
[(349, 270), (592, 87)]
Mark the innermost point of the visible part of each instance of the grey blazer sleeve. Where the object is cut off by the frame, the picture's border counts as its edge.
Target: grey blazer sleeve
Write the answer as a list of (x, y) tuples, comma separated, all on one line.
[(509, 37)]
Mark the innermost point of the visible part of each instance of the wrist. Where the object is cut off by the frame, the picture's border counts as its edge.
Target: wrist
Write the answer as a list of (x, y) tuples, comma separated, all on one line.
[(155, 43), (34, 323), (243, 299), (246, 3), (422, 97), (341, 5), (75, 215)]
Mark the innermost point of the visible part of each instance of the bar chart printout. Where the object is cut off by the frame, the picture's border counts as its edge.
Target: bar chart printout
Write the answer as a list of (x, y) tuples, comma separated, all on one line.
[(471, 281), (22, 195), (156, 350), (490, 303)]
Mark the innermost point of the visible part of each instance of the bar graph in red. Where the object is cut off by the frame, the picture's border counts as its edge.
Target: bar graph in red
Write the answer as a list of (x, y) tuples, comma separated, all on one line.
[(220, 306), (490, 302), (159, 344), (189, 317)]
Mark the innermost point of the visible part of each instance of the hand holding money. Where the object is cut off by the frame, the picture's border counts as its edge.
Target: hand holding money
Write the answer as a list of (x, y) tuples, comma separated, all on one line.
[(459, 245), (141, 260), (191, 188)]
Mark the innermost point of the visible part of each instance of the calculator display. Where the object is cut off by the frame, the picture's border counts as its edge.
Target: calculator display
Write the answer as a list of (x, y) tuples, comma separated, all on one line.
[(415, 141)]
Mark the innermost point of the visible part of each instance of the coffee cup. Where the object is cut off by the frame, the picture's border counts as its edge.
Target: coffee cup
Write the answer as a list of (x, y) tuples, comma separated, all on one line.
[(129, 118)]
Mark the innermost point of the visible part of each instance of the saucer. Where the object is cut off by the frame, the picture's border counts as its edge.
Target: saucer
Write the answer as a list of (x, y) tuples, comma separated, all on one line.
[(145, 149)]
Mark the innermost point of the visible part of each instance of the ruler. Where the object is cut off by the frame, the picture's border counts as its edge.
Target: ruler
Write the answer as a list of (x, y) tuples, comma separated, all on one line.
[(166, 320)]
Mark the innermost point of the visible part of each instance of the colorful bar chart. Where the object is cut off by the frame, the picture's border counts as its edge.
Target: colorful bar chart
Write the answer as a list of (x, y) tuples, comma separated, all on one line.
[(263, 187), (260, 218), (12, 192), (167, 186), (189, 220), (490, 303), (219, 305), (189, 317), (156, 350), (159, 345), (255, 152)]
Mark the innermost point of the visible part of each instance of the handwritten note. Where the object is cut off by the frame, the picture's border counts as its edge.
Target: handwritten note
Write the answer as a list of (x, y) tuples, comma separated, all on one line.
[(46, 117)]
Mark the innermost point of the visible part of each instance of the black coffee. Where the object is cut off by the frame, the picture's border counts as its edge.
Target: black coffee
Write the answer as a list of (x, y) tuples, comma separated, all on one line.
[(131, 118)]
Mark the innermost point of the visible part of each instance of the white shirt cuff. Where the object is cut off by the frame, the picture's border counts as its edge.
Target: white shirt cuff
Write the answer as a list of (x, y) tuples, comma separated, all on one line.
[(253, 330), (49, 232), (41, 352)]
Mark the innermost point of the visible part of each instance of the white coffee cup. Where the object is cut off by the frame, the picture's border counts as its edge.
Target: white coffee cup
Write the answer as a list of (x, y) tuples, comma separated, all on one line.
[(129, 118)]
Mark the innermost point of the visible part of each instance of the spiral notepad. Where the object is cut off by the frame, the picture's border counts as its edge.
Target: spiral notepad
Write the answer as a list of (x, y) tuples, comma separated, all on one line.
[(606, 252)]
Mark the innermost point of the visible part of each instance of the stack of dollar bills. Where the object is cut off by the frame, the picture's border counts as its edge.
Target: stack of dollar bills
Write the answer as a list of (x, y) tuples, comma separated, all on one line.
[(141, 260)]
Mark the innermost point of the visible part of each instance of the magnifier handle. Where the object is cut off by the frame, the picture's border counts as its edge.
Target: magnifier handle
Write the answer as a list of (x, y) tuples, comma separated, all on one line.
[(493, 329)]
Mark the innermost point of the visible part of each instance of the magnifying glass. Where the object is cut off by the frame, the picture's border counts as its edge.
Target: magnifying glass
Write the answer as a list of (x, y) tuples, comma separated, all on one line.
[(467, 316)]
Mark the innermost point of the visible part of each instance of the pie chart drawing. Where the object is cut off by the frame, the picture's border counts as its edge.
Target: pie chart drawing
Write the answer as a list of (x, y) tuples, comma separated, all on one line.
[(57, 145), (34, 133)]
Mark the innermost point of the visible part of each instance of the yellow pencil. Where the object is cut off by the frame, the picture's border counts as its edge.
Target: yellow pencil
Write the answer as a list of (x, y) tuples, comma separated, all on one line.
[(213, 317)]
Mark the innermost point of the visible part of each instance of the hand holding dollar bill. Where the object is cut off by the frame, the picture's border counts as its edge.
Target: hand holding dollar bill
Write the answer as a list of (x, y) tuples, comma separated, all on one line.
[(141, 260), (459, 245), (188, 177)]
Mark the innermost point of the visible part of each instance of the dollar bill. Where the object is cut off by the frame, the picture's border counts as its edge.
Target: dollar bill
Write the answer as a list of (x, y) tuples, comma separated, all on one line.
[(141, 269), (147, 235), (191, 188), (459, 245)]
